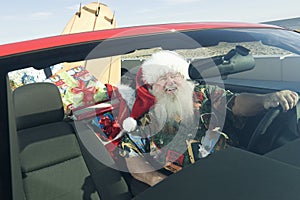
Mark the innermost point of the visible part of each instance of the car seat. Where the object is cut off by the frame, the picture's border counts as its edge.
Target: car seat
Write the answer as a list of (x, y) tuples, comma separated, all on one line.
[(51, 160)]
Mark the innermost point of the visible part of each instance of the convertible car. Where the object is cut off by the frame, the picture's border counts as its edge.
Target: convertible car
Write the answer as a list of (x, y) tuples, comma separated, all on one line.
[(59, 129)]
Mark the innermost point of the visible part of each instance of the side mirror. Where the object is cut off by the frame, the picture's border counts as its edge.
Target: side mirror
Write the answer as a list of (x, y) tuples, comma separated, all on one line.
[(235, 61)]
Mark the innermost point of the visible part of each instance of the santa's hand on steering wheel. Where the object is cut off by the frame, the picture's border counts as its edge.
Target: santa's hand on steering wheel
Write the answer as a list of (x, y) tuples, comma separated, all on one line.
[(285, 98)]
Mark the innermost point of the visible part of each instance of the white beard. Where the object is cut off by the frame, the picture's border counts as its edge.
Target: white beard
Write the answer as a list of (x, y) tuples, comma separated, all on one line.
[(170, 107)]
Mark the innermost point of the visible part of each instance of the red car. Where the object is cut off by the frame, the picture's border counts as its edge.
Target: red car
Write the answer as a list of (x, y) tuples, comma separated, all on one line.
[(55, 107)]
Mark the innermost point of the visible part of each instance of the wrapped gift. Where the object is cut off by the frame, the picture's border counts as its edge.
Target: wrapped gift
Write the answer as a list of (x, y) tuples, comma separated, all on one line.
[(108, 130), (25, 76), (13, 84), (106, 126), (79, 88), (83, 95), (63, 81)]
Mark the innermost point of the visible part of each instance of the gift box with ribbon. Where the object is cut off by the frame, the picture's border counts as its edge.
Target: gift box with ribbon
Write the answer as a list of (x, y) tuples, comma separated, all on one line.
[(106, 126), (107, 129), (79, 89)]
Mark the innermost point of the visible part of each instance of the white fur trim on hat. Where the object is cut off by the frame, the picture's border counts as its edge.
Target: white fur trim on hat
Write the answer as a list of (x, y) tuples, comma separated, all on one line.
[(161, 63), (127, 93), (129, 124)]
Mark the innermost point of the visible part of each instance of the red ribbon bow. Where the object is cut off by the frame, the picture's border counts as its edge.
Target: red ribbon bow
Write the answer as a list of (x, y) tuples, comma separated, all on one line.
[(88, 92), (110, 128)]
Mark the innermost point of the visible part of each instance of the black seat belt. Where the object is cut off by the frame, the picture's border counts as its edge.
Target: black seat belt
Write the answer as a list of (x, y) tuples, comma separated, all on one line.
[(48, 72)]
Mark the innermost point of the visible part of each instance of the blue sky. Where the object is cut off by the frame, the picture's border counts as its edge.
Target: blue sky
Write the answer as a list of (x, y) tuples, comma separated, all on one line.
[(30, 19)]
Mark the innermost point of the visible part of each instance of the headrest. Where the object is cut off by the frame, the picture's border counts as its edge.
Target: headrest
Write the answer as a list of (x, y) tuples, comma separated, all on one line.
[(36, 104)]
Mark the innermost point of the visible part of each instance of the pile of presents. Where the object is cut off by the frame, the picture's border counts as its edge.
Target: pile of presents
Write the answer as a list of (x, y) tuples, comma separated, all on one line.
[(82, 94)]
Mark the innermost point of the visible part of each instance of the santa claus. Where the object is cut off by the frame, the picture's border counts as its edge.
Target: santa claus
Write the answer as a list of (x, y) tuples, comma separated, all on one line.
[(163, 97), (162, 87)]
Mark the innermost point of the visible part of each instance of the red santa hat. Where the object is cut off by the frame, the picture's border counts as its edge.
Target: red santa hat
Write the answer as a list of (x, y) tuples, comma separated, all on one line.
[(151, 70)]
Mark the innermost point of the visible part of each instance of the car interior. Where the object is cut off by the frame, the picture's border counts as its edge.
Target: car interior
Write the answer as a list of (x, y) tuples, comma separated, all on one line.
[(54, 156), (55, 163), (55, 166)]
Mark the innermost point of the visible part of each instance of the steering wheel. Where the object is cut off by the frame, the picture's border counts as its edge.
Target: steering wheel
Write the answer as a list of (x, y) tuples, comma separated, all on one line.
[(263, 125)]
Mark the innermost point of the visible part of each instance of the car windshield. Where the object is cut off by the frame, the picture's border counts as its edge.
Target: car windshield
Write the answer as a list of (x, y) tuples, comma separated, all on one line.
[(130, 52)]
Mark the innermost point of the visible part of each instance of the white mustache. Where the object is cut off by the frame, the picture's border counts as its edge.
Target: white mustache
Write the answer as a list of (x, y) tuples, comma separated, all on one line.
[(170, 88)]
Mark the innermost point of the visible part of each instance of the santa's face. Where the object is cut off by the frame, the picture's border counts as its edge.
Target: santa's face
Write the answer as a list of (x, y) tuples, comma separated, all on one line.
[(169, 83), (173, 98)]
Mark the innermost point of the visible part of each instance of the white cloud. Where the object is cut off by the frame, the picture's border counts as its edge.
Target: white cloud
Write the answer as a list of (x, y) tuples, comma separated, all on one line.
[(39, 15), (145, 10), (74, 7), (182, 1), (27, 17), (8, 17)]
